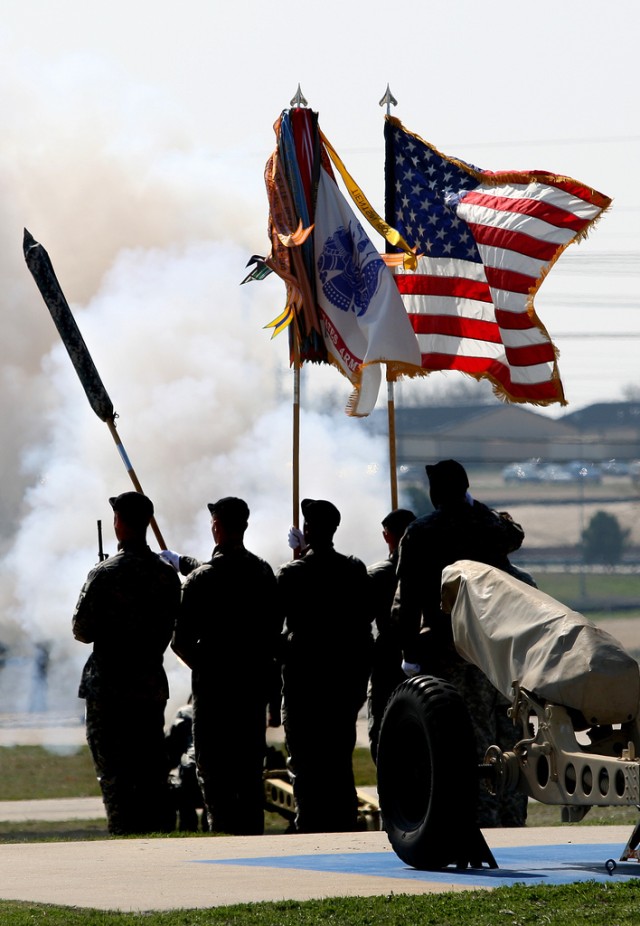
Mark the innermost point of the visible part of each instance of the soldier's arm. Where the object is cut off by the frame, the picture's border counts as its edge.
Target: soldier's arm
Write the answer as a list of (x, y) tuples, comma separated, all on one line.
[(169, 608), (512, 531), (288, 594), (184, 565), (188, 564), (382, 586), (503, 535), (274, 613), (85, 619), (274, 616), (406, 611), (185, 638)]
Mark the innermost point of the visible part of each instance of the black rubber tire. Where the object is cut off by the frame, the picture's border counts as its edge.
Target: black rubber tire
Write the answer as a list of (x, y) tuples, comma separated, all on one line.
[(427, 772)]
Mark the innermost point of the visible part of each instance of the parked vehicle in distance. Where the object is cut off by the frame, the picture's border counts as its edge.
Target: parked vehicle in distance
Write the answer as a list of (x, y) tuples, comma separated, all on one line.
[(536, 471), (615, 468), (555, 472), (579, 469), (522, 472)]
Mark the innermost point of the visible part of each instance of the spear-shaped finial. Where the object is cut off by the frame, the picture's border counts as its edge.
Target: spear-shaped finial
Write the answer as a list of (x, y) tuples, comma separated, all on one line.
[(388, 100), (298, 99), (39, 263)]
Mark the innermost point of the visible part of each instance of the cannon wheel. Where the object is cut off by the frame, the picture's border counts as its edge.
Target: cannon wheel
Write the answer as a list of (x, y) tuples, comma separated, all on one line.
[(427, 772)]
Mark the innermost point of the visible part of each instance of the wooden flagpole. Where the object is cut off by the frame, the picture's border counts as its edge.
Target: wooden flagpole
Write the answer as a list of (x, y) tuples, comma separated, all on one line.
[(388, 100), (298, 100), (393, 468), (296, 429)]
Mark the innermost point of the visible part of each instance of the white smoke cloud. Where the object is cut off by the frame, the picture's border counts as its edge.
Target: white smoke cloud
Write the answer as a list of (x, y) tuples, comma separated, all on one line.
[(149, 236)]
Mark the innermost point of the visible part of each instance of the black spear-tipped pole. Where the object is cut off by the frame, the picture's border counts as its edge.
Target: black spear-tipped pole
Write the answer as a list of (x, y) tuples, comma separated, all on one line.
[(39, 263)]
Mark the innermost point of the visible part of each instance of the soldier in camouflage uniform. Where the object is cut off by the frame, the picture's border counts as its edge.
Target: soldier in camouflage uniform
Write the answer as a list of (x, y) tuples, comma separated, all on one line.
[(228, 633), (127, 609), (326, 664), (386, 670), (492, 727), (459, 528), (183, 777)]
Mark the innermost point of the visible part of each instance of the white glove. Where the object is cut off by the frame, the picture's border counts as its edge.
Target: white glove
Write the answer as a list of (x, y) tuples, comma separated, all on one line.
[(172, 558), (296, 539), (410, 668)]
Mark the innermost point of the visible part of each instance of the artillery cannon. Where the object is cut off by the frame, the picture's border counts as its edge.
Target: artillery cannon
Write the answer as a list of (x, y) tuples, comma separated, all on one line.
[(574, 697), (279, 797)]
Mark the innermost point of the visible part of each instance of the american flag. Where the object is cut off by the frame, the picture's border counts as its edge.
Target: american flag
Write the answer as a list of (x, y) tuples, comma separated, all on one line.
[(485, 243)]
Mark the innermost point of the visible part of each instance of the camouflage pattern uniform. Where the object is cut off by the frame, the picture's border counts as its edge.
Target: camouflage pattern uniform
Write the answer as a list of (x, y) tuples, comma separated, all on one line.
[(127, 609), (326, 664), (228, 633), (183, 777), (457, 530), (492, 727)]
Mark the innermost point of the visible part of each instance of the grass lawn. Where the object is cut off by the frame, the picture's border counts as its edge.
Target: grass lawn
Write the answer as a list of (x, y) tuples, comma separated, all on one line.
[(612, 903), (568, 586), (33, 773)]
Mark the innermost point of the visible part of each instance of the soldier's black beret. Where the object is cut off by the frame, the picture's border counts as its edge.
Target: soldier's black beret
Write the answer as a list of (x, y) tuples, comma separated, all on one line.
[(320, 513), (230, 509), (133, 506)]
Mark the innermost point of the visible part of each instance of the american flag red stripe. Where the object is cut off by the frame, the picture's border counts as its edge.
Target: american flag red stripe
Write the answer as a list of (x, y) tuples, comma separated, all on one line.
[(456, 326), (421, 284), (545, 393), (574, 187), (513, 321), (486, 241), (545, 212), (512, 241), (509, 280)]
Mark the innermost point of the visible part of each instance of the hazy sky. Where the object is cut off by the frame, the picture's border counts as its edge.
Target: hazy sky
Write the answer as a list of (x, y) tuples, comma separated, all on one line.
[(502, 85), (134, 138)]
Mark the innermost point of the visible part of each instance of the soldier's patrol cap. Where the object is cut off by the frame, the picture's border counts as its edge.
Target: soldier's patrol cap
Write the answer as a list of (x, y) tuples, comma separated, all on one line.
[(447, 477), (133, 507), (231, 510), (318, 512)]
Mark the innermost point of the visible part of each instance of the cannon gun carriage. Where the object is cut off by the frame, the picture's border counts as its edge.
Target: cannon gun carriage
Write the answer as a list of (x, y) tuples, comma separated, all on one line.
[(574, 696)]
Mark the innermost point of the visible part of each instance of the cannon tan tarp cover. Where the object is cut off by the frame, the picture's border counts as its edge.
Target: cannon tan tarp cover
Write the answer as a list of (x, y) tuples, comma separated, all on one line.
[(513, 632)]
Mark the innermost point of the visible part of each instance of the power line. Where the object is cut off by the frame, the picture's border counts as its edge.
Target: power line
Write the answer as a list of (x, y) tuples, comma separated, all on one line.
[(592, 140), (606, 335), (516, 143)]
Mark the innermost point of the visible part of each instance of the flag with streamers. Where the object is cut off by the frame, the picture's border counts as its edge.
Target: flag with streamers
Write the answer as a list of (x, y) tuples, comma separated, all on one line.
[(343, 306), (485, 242)]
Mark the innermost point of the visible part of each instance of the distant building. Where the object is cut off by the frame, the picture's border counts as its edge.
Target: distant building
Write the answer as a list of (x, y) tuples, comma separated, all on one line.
[(499, 433), (608, 430)]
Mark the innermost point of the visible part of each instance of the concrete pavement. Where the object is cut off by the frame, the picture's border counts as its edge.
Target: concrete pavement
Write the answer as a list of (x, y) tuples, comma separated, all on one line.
[(199, 872), (173, 873), (59, 809)]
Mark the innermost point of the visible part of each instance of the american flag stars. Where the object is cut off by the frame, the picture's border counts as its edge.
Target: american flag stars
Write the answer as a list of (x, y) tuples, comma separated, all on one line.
[(428, 188)]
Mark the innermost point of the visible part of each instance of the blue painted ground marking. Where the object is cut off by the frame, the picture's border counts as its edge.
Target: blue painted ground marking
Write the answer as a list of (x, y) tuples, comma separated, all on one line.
[(556, 864)]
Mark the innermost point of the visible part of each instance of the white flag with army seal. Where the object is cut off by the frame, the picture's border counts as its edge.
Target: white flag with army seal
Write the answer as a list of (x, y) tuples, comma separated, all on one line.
[(363, 317)]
